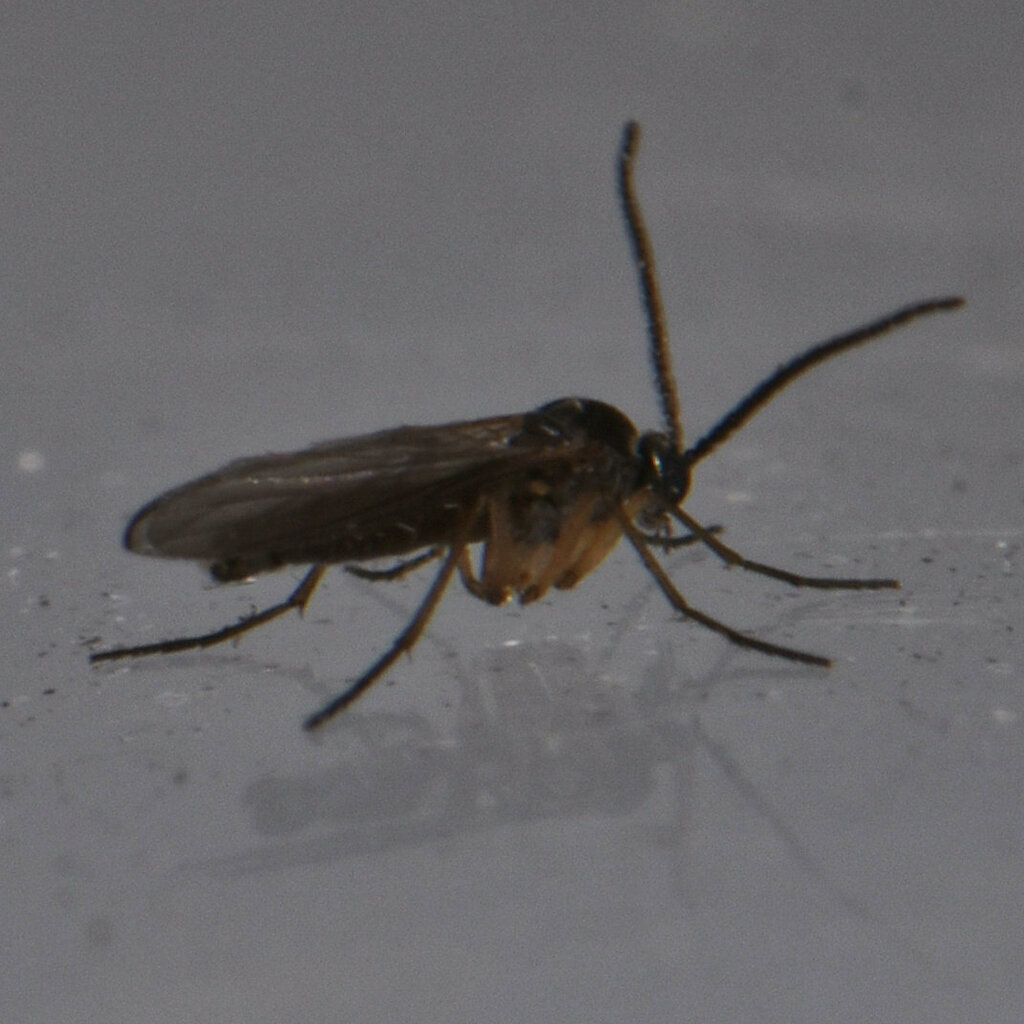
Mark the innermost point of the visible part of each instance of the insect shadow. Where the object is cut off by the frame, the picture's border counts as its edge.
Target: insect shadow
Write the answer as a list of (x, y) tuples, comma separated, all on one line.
[(548, 494)]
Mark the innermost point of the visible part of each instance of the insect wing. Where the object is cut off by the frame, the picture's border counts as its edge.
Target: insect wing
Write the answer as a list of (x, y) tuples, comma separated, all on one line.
[(379, 494)]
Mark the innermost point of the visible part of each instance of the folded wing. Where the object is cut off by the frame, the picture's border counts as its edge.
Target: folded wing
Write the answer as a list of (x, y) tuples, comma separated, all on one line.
[(376, 495)]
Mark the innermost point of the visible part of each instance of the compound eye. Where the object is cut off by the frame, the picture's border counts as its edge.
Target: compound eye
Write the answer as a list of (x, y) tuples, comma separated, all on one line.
[(667, 471), (676, 479), (654, 463)]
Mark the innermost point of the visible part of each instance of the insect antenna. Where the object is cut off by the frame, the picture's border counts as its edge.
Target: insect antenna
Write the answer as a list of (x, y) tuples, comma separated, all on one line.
[(788, 372), (643, 257)]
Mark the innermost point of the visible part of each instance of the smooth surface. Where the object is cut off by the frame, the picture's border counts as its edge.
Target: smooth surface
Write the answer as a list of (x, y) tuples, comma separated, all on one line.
[(230, 230)]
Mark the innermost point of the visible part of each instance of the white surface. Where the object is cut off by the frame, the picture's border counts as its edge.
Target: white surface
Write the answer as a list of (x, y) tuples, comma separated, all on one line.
[(230, 230)]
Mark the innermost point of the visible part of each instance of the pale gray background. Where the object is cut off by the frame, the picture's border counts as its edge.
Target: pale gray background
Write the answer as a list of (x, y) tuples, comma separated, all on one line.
[(230, 228)]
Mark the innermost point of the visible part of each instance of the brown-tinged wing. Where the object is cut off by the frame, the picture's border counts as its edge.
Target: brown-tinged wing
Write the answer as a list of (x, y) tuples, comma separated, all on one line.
[(376, 495)]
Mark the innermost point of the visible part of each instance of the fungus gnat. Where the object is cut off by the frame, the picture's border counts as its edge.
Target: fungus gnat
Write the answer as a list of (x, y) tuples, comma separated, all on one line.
[(548, 494)]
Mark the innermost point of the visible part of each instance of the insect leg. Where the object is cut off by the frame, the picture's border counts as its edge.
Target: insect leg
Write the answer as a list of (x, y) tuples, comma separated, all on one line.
[(471, 581), (731, 558), (298, 598), (405, 640), (685, 540), (397, 571), (680, 604)]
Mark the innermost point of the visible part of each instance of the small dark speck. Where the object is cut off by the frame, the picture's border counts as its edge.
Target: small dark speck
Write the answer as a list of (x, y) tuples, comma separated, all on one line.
[(49, 691), (44, 602), (99, 931), (927, 560), (853, 94), (180, 777)]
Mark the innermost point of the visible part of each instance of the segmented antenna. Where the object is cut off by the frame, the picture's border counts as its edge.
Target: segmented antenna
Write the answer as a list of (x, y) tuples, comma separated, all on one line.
[(788, 372), (643, 257)]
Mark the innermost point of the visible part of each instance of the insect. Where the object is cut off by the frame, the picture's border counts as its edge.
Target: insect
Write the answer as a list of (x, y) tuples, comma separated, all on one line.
[(547, 494)]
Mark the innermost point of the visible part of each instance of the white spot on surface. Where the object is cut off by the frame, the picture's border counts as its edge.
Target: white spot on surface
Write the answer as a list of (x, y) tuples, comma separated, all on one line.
[(31, 462), (999, 668), (172, 699)]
